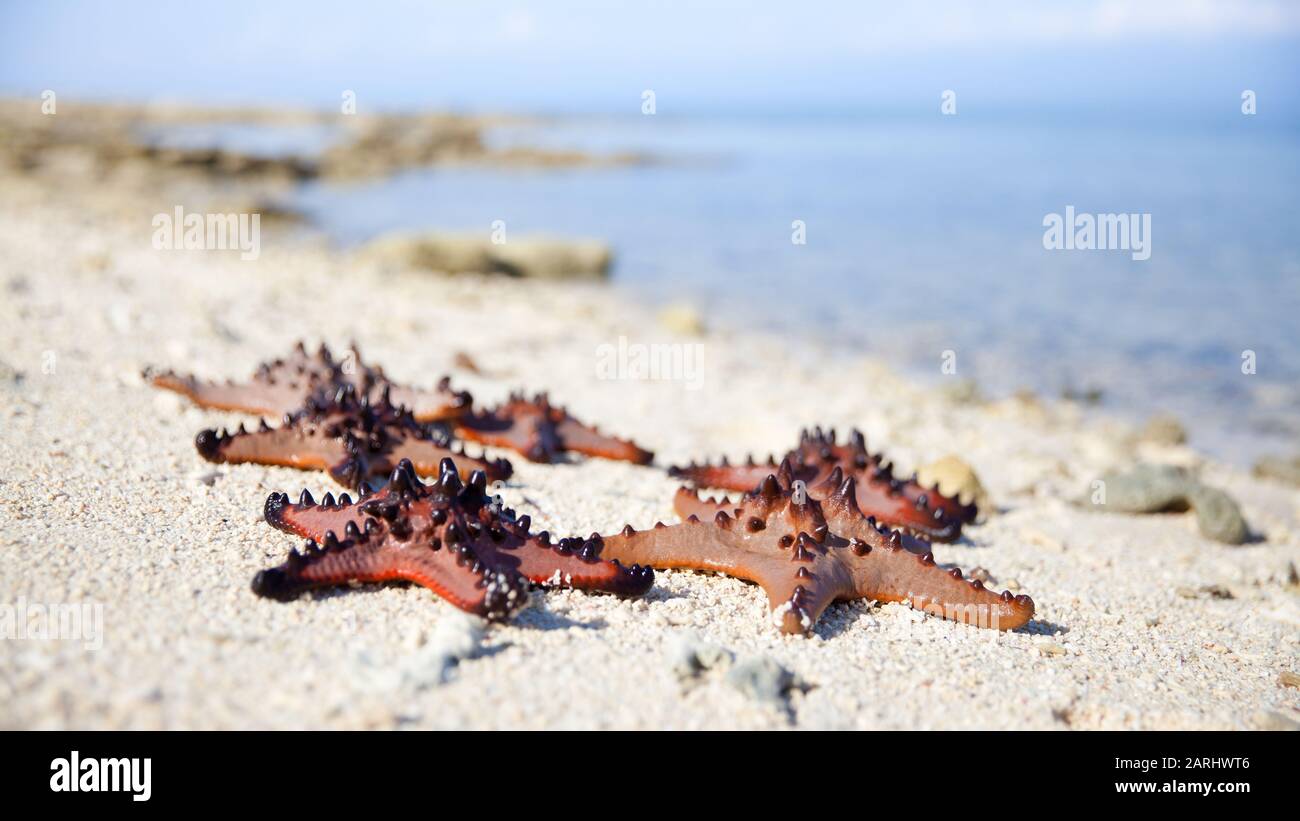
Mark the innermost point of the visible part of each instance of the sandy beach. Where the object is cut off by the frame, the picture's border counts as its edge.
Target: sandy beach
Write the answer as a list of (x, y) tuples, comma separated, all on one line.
[(1141, 622)]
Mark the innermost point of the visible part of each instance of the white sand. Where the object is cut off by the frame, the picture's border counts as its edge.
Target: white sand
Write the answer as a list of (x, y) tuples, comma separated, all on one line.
[(103, 499)]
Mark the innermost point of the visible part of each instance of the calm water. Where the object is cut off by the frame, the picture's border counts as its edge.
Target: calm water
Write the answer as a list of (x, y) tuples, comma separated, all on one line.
[(925, 234)]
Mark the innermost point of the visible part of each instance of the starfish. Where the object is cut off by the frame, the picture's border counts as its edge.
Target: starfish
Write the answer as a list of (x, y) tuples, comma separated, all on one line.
[(808, 547), (448, 536), (542, 432), (284, 385), (898, 502), (353, 439)]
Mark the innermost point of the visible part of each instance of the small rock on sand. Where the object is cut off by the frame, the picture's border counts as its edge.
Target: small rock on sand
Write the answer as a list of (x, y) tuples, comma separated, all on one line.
[(1164, 429), (1289, 679), (534, 257), (682, 318), (962, 392), (763, 679), (958, 480), (692, 656), (1156, 488), (981, 574), (456, 638), (1218, 515)]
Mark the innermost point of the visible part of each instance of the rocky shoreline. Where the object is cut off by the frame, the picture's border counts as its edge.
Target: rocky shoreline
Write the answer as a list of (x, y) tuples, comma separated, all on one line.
[(101, 138)]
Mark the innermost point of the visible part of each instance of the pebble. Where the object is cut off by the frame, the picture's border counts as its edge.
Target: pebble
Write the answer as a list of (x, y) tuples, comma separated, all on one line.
[(1218, 591), (1218, 515), (763, 679), (682, 318), (458, 635), (962, 392), (692, 656), (1289, 679), (1213, 591), (1155, 488), (958, 480), (456, 638), (1164, 429)]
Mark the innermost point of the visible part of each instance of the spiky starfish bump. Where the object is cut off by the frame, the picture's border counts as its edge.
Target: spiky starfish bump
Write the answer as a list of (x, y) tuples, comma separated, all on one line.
[(810, 547), (352, 438), (406, 526), (542, 432), (898, 502), (285, 385)]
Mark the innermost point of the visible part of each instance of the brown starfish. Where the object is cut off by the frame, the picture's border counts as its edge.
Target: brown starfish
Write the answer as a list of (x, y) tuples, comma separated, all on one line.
[(353, 439), (448, 536), (898, 502), (284, 385), (810, 547), (542, 432)]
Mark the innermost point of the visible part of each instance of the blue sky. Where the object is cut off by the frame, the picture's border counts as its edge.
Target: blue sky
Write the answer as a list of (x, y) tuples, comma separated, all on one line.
[(575, 55)]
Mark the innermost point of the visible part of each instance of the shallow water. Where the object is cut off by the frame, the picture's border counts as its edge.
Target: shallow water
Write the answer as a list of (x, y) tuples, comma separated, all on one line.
[(926, 235)]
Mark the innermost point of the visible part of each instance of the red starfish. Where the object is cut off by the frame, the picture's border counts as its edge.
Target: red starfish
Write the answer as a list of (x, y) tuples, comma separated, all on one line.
[(448, 536), (542, 431), (810, 547), (285, 385), (901, 503), (353, 439)]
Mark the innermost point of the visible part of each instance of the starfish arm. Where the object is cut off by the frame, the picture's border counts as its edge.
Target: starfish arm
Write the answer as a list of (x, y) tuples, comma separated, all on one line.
[(426, 455), (279, 386), (543, 432), (285, 384), (260, 399), (453, 575), (724, 476), (932, 498), (798, 597), (572, 563), (493, 594), (886, 567), (579, 564), (285, 446), (895, 508), (534, 437), (316, 568), (587, 440), (797, 591), (896, 575), (310, 520), (439, 404), (687, 503), (692, 545)]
